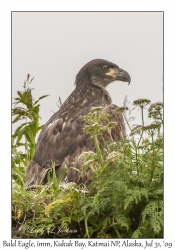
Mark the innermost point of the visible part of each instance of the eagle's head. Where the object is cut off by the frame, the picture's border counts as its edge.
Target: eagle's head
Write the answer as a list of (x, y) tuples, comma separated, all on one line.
[(101, 73)]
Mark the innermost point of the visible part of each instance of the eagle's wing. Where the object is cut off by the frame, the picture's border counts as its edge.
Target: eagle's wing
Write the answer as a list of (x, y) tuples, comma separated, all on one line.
[(61, 142), (118, 131)]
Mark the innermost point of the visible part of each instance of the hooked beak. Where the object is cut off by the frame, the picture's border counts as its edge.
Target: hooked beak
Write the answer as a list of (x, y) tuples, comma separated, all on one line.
[(119, 74), (123, 76)]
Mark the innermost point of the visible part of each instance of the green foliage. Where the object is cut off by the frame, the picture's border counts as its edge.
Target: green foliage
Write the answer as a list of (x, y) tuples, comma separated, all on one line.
[(125, 198), (27, 109)]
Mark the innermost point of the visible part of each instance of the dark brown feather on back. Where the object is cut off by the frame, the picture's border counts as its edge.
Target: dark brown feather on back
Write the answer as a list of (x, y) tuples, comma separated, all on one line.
[(63, 139)]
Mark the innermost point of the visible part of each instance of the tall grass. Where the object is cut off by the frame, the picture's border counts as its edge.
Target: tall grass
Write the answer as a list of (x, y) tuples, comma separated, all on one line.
[(26, 110)]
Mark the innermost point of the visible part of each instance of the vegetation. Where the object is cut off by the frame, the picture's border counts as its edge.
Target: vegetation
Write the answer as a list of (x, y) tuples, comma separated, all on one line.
[(25, 134), (125, 198)]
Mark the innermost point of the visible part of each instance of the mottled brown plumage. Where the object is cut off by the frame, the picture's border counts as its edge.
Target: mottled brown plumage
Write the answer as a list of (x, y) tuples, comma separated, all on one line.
[(63, 139)]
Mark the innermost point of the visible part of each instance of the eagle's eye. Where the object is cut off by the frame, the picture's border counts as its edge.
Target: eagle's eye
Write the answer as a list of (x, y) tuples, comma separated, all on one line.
[(105, 67)]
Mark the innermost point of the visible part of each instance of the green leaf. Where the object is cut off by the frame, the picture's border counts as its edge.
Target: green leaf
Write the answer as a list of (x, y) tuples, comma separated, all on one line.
[(29, 136), (39, 99), (61, 176), (21, 133), (33, 127), (18, 129), (17, 118)]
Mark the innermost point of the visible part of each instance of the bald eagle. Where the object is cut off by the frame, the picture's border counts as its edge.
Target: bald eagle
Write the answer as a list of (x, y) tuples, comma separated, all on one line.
[(63, 139)]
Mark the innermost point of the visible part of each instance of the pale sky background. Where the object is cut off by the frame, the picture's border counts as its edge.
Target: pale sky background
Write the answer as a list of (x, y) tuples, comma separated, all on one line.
[(53, 46), (49, 48)]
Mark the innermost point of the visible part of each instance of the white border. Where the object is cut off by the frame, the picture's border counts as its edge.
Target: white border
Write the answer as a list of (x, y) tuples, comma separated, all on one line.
[(5, 93)]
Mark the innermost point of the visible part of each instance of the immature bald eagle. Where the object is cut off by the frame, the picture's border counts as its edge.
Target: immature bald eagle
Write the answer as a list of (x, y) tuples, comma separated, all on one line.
[(63, 138)]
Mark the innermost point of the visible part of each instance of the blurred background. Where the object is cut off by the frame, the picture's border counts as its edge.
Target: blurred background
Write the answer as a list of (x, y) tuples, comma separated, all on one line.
[(53, 46)]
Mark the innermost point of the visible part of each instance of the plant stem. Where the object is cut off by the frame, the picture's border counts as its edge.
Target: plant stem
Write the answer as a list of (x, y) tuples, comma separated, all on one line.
[(143, 125), (142, 116), (98, 149), (153, 163), (127, 121)]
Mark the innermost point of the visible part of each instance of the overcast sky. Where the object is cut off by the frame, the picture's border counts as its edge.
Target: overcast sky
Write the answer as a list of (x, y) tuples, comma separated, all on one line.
[(53, 46)]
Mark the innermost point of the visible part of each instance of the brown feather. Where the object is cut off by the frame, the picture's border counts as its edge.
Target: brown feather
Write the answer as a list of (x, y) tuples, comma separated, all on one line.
[(63, 139)]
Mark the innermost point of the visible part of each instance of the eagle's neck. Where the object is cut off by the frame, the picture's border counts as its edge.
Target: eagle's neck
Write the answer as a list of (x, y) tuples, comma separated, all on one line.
[(97, 94), (84, 96), (91, 88)]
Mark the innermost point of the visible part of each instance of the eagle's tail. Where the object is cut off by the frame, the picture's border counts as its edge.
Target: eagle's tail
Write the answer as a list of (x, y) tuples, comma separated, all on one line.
[(35, 175)]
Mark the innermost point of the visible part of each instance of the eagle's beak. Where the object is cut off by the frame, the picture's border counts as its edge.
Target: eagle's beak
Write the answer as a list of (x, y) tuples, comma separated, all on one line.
[(123, 76), (119, 74)]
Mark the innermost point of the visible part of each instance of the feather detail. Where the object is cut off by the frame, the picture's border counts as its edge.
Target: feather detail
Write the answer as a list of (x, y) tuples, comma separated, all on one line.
[(63, 139)]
